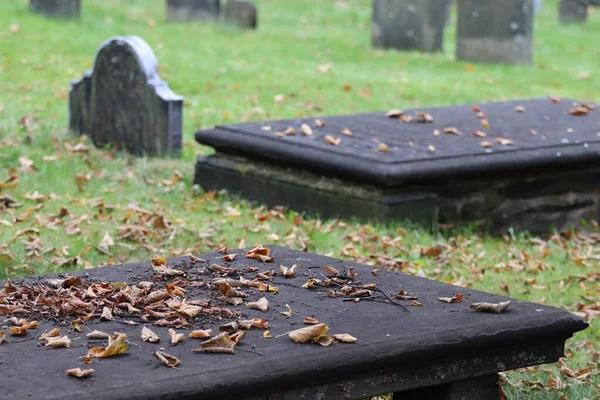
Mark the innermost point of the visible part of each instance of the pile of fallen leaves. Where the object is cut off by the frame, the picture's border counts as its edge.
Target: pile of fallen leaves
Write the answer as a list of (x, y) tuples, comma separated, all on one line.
[(161, 301)]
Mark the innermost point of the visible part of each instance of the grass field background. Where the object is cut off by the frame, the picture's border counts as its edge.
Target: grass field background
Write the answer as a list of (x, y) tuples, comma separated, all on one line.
[(82, 207)]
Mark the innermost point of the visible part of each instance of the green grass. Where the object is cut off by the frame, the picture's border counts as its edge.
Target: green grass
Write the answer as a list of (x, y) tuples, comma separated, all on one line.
[(231, 76)]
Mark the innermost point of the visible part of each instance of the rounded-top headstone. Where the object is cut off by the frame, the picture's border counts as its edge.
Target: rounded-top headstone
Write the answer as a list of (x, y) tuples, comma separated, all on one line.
[(67, 9), (123, 102), (573, 11), (240, 13)]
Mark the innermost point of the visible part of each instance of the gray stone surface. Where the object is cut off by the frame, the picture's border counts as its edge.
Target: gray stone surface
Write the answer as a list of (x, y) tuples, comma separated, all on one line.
[(573, 11), (409, 24), (193, 10), (123, 102), (399, 348), (240, 13), (67, 9), (492, 31)]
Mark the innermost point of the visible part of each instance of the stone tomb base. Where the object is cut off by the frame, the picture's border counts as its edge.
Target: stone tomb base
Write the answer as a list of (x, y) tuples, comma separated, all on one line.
[(549, 176)]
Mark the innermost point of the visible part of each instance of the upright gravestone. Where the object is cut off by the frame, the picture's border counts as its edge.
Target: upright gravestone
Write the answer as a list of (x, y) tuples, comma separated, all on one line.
[(575, 11), (493, 31), (67, 9), (123, 102), (240, 13), (409, 24), (193, 10)]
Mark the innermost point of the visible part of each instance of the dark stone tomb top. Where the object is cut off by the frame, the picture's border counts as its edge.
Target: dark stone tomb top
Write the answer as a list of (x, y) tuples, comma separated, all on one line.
[(417, 346), (544, 134)]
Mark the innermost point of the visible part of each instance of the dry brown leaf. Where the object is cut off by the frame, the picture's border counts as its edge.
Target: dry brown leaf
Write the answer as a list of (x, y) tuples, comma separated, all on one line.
[(17, 330), (332, 141), (48, 334), (406, 118), (58, 342), (431, 148), (200, 334), (229, 257), (106, 314), (504, 141), (578, 111), (97, 335), (384, 148), (345, 338), (116, 345), (80, 373), (289, 311), (424, 118), (176, 337), (491, 307), (167, 271), (309, 333), (478, 133), (2, 336), (329, 270), (229, 291), (306, 130), (262, 304), (166, 359), (346, 132), (149, 336), (290, 131), (519, 109), (288, 272), (221, 343), (258, 250), (311, 321), (486, 144), (237, 337), (394, 113), (452, 130), (229, 327), (320, 123), (457, 298), (267, 335)]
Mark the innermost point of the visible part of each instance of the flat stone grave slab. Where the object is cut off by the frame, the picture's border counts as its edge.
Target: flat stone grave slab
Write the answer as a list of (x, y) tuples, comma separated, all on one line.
[(527, 164), (415, 336)]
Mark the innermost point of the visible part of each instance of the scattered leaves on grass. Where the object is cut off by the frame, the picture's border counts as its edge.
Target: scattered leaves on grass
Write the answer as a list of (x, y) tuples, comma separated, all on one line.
[(166, 359), (491, 307), (80, 373), (457, 298)]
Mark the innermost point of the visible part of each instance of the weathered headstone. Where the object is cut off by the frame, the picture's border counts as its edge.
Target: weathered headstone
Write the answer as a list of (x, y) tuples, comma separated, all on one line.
[(193, 10), (240, 13), (573, 11), (123, 102), (493, 31), (409, 24), (67, 9)]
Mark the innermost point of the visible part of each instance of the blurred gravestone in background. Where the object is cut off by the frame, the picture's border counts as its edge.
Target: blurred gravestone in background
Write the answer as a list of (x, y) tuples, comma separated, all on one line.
[(123, 102), (493, 31), (193, 10), (409, 24), (240, 13), (67, 9), (573, 11)]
